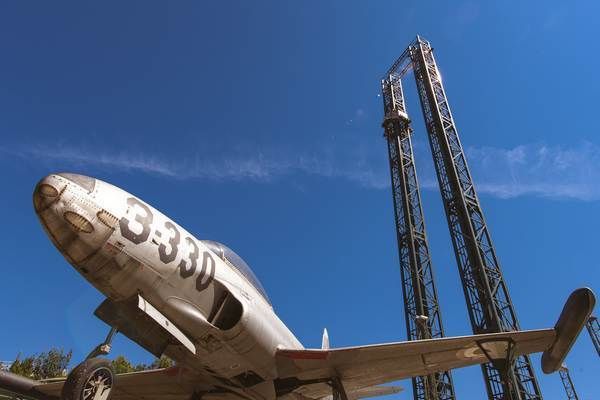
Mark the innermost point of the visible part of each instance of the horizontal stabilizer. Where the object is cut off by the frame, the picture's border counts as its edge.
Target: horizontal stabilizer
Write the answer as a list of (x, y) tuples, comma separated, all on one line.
[(575, 313)]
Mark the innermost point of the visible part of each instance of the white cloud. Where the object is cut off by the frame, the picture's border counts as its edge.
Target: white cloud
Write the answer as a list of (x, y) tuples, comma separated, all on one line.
[(525, 170), (254, 166), (538, 170)]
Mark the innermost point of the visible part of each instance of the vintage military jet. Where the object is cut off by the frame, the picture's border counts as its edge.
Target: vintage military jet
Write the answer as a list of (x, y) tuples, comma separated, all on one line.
[(197, 302)]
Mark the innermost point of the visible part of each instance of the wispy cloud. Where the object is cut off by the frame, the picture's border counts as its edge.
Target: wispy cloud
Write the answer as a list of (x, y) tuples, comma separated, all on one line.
[(258, 166), (526, 170), (539, 170)]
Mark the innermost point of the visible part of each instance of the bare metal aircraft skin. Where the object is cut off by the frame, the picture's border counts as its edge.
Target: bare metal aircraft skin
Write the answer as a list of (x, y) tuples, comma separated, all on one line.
[(198, 303)]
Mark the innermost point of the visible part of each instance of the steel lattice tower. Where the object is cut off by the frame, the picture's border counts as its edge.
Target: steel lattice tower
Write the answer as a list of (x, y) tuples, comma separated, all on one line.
[(567, 382), (593, 328), (421, 307), (488, 302)]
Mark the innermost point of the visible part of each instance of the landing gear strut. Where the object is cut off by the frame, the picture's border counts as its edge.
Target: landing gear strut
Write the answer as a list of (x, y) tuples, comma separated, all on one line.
[(94, 378), (103, 348)]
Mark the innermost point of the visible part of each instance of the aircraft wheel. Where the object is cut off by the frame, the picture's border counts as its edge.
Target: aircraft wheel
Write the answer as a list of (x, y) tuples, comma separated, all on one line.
[(93, 379)]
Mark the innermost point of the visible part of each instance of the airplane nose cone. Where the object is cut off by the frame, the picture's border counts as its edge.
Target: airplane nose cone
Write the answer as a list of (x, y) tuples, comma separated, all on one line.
[(67, 212), (50, 188)]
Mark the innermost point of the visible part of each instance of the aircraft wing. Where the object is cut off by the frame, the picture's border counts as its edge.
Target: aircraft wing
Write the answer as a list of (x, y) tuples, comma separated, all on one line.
[(161, 384), (309, 372), (167, 384), (172, 383), (365, 366)]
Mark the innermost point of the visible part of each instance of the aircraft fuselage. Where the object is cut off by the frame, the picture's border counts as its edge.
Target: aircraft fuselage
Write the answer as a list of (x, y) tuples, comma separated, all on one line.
[(126, 248)]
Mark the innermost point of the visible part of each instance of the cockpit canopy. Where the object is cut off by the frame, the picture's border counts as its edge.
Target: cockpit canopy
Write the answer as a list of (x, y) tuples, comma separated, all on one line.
[(230, 256)]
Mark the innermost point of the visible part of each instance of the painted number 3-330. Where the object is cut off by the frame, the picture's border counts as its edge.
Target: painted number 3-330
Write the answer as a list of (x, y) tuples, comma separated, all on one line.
[(167, 250)]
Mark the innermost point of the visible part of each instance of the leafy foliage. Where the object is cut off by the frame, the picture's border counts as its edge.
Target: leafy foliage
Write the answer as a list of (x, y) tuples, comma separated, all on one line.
[(122, 365), (50, 364), (23, 367), (54, 362), (162, 362)]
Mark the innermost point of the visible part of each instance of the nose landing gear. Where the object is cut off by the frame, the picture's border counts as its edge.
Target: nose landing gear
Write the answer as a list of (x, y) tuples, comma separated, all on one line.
[(103, 348), (94, 378)]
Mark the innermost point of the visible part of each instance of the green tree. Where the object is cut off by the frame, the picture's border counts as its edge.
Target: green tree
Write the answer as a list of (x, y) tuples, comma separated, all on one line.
[(162, 362), (122, 365), (141, 367), (51, 364), (54, 362), (23, 367)]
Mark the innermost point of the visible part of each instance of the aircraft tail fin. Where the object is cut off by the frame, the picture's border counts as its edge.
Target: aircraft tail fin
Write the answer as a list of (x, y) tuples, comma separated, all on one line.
[(325, 340)]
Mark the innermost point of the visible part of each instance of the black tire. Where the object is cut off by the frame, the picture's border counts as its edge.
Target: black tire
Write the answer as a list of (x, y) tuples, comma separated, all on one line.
[(86, 378)]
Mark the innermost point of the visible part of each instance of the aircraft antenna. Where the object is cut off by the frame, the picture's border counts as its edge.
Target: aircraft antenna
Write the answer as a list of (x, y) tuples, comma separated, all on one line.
[(488, 302)]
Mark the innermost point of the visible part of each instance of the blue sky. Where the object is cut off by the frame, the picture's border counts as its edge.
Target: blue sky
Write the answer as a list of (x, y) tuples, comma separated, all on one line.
[(258, 124)]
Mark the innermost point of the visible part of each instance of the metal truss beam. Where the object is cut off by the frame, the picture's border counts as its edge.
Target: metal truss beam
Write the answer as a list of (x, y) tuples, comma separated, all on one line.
[(567, 382), (593, 328), (421, 306), (488, 302)]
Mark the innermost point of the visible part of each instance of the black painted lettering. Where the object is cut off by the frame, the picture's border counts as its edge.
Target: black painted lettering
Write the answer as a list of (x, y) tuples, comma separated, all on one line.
[(185, 270), (173, 243), (143, 221), (206, 260)]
